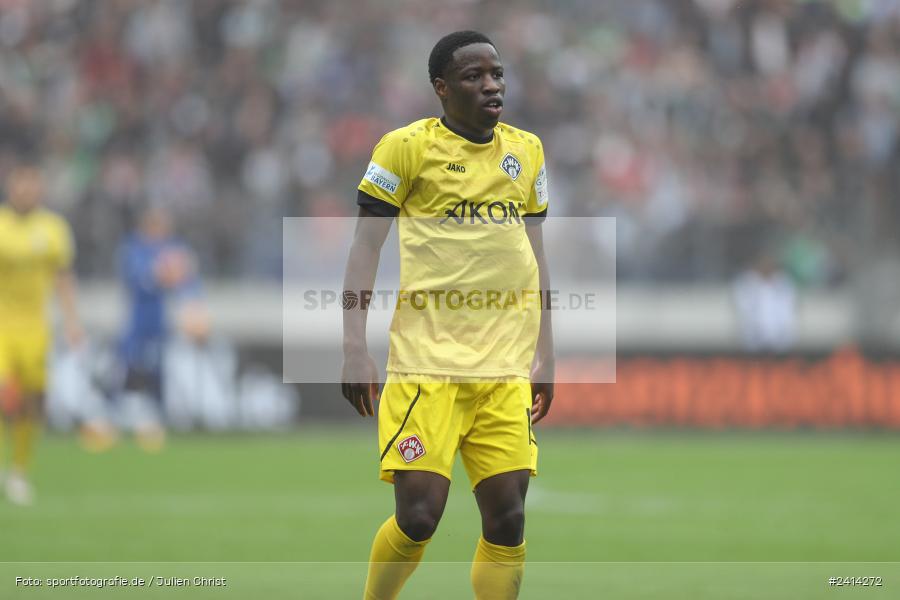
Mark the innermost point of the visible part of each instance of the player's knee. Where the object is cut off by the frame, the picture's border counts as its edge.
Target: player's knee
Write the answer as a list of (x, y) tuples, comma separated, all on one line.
[(506, 528), (33, 406), (418, 523)]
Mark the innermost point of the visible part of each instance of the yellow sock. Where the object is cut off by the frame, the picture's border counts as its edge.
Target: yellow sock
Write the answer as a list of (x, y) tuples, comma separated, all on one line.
[(23, 432), (497, 571), (393, 559)]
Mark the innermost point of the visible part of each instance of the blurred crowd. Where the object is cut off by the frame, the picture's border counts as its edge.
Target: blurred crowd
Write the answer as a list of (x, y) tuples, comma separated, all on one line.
[(713, 130)]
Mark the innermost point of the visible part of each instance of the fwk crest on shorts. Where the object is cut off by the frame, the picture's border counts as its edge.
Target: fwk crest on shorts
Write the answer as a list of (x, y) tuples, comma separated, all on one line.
[(421, 425)]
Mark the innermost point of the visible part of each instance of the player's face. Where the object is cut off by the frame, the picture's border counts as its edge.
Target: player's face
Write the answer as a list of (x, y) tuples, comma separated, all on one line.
[(473, 88), (26, 188), (156, 224)]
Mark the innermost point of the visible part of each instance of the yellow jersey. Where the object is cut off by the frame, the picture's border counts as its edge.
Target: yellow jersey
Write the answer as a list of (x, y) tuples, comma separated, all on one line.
[(34, 247), (469, 301)]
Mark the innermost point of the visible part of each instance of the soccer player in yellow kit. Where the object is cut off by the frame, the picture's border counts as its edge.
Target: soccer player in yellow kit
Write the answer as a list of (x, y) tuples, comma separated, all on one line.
[(471, 361), (36, 254)]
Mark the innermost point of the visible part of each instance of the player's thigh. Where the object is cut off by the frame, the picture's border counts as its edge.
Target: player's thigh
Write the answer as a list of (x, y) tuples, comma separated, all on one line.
[(146, 380), (32, 364), (502, 493), (418, 428), (9, 388), (422, 491), (143, 363), (6, 360), (501, 439), (23, 372)]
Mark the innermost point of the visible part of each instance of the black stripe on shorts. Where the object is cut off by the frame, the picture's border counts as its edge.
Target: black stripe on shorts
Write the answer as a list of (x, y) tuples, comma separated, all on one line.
[(403, 424)]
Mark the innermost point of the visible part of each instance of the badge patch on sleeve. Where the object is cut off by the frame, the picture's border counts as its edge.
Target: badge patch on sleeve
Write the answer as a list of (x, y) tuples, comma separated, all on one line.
[(382, 178), (411, 448), (540, 186)]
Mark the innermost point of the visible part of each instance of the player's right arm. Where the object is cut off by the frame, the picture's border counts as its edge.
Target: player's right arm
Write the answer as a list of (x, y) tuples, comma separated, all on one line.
[(382, 191), (359, 375)]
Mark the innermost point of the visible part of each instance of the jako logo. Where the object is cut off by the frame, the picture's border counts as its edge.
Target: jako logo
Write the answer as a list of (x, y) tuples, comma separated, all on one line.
[(456, 168), (497, 212)]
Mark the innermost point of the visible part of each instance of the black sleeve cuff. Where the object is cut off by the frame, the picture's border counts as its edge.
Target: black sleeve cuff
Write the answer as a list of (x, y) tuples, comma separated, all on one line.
[(377, 206), (536, 218)]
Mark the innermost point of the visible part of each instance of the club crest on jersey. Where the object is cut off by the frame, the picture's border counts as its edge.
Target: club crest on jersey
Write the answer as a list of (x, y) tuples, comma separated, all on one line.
[(511, 166), (411, 448)]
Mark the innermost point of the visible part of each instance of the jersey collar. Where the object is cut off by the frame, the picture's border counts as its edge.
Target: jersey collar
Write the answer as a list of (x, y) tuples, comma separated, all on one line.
[(474, 140)]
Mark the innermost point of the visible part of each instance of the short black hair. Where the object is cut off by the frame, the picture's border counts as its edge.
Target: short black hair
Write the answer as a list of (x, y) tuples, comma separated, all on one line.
[(442, 53)]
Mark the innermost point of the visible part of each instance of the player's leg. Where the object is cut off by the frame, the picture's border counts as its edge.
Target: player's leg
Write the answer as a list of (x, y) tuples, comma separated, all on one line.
[(420, 498), (498, 565), (3, 393), (98, 431), (148, 430), (500, 454), (8, 400), (25, 419), (501, 502), (8, 395), (140, 403), (24, 430), (418, 436)]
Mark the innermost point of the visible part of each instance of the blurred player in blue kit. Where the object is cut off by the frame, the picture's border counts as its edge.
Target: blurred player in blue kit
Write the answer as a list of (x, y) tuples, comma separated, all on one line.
[(157, 270)]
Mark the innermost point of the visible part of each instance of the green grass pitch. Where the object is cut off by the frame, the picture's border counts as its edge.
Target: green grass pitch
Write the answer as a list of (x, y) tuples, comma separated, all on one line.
[(611, 515)]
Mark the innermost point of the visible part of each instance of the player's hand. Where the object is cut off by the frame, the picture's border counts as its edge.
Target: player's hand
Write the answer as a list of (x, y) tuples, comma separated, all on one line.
[(193, 321), (359, 382), (173, 267), (74, 335), (542, 377), (10, 399)]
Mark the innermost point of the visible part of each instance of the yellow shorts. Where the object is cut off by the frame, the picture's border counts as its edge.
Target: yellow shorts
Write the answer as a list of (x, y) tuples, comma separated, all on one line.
[(422, 425), (23, 360)]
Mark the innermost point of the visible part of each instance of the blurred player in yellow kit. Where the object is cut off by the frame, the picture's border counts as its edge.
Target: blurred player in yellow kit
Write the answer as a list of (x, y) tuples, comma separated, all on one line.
[(36, 253)]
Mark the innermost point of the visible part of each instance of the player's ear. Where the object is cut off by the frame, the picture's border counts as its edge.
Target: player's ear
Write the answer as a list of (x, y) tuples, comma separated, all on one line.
[(440, 88)]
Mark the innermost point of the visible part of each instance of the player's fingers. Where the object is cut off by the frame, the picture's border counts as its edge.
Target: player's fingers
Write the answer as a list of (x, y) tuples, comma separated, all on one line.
[(366, 397), (347, 391), (535, 407), (539, 408), (354, 398), (372, 397), (362, 400)]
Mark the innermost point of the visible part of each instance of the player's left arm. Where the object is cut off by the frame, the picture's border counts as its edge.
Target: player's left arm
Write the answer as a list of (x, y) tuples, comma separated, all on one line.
[(543, 367), (67, 295), (67, 285)]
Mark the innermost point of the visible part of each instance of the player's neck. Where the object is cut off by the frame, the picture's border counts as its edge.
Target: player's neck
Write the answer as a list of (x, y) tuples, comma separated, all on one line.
[(22, 212), (475, 136)]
